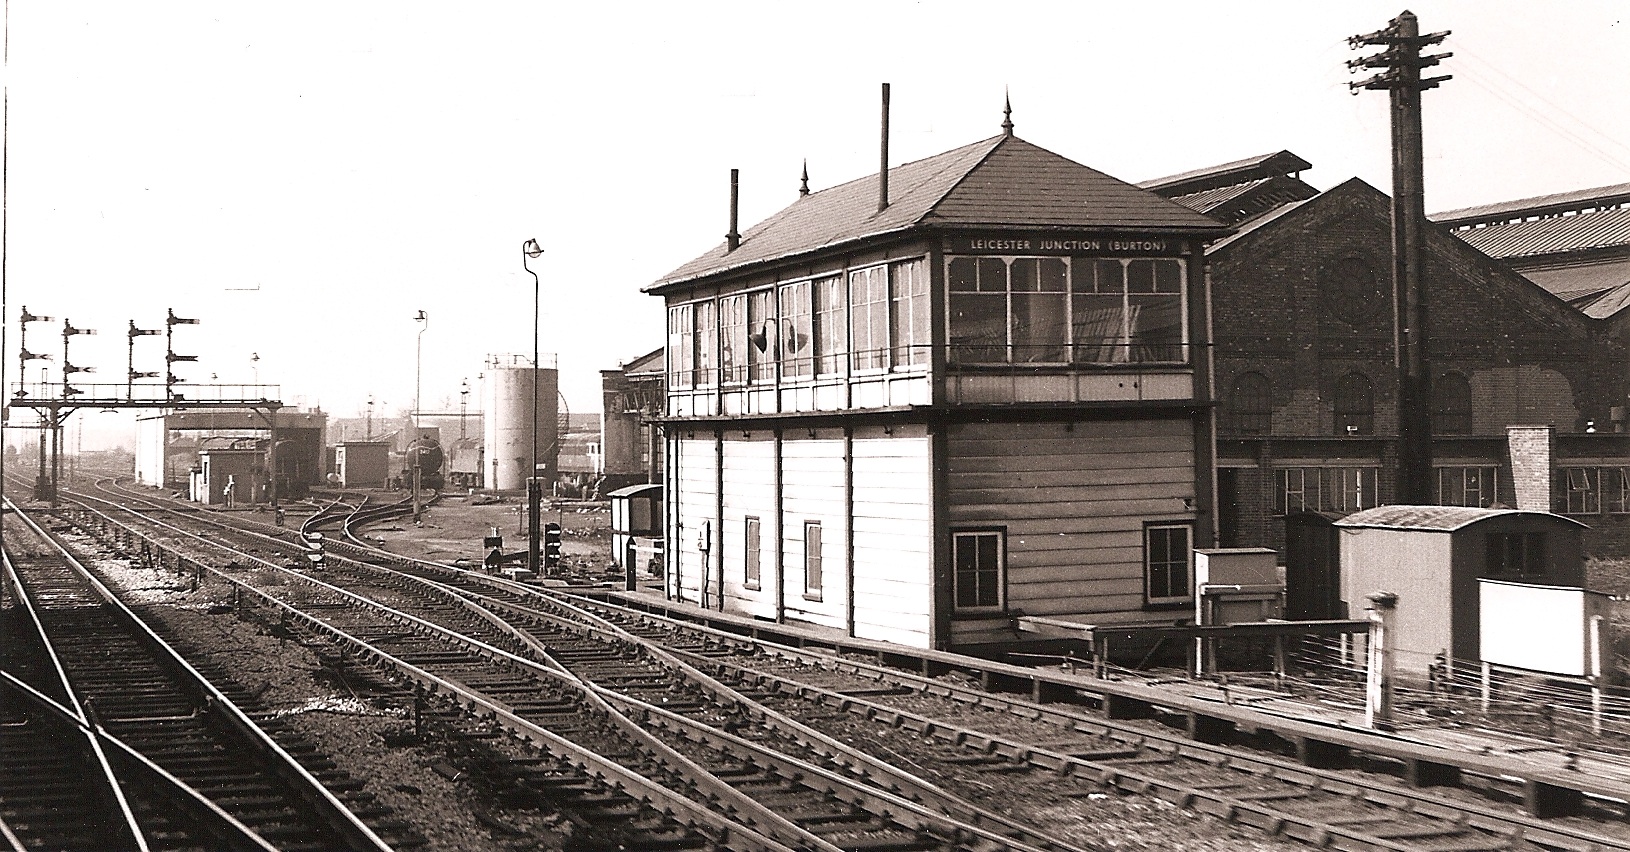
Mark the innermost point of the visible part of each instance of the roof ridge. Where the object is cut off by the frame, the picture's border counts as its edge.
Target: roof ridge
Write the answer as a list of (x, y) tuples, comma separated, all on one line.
[(999, 140)]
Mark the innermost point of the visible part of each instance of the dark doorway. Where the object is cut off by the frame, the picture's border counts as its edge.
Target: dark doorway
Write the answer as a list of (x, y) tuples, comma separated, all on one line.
[(1312, 567)]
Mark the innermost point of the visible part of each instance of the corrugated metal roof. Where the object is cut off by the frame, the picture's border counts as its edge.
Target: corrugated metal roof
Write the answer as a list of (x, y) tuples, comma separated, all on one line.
[(1234, 204), (1433, 518), (1536, 206), (1209, 199), (1555, 235), (999, 182), (1607, 303), (1581, 283), (1228, 174)]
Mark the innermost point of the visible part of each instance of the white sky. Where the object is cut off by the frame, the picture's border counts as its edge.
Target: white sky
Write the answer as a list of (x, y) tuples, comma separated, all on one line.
[(360, 161)]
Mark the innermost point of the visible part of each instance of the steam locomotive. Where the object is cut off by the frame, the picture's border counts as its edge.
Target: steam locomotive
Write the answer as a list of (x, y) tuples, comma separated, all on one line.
[(425, 456)]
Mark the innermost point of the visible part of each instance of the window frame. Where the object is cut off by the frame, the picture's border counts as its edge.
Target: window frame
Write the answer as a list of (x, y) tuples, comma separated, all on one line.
[(1080, 283), (1150, 599), (1582, 483), (681, 345), (1615, 494), (752, 552), (910, 332), (814, 562), (762, 322), (795, 317), (829, 314), (733, 339), (1329, 494), (999, 534), (1528, 549), (1454, 476)]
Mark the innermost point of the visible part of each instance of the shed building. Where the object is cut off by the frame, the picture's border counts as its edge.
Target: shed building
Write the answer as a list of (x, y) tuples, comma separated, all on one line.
[(243, 469), (1433, 556), (363, 464), (913, 405)]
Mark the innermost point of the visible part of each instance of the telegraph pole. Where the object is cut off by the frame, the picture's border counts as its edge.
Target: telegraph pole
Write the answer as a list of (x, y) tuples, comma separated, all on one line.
[(1400, 65)]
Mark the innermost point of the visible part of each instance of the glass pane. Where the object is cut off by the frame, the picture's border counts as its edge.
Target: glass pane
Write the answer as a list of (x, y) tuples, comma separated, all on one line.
[(908, 301), (797, 331), (1157, 328), (1098, 328), (1140, 276), (1054, 273), (762, 345), (1110, 277), (733, 338), (992, 275), (1024, 276), (978, 331), (1038, 327), (963, 276), (1168, 276)]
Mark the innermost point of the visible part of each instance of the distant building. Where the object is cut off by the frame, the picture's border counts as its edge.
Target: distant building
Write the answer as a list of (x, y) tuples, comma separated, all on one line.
[(168, 446), (1307, 422), (633, 397)]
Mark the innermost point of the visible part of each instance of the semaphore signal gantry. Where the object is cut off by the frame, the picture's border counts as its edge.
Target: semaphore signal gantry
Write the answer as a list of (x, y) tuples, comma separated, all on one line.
[(53, 402)]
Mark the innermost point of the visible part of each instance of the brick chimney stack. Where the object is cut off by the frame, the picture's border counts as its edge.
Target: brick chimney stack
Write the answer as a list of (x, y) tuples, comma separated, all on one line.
[(1531, 449)]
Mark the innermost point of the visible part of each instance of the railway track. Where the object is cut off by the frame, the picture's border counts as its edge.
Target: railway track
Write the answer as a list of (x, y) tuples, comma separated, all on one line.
[(91, 664), (424, 631), (984, 735)]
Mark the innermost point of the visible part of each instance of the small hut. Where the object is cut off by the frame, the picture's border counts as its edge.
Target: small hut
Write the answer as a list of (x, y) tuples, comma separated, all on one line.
[(1433, 558)]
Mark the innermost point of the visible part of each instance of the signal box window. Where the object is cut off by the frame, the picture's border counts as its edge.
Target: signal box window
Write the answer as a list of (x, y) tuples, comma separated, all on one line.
[(1166, 558), (980, 559)]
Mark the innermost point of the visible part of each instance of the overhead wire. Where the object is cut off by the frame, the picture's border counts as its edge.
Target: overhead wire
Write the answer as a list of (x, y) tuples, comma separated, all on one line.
[(1481, 73)]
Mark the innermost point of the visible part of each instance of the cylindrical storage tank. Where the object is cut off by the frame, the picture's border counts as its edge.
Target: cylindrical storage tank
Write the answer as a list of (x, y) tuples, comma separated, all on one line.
[(508, 421)]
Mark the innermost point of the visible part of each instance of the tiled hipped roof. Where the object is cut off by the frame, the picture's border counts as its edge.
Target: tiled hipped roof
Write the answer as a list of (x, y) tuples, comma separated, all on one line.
[(1002, 182)]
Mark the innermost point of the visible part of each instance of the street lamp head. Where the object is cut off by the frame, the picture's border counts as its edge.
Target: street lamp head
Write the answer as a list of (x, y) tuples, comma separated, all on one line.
[(530, 248)]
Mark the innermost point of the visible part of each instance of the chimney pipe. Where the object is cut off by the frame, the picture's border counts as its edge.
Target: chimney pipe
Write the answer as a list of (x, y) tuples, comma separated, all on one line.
[(883, 157), (732, 240)]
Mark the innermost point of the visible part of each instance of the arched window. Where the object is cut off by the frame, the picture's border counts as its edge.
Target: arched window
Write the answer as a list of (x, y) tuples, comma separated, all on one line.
[(1451, 405), (1355, 405), (1250, 405)]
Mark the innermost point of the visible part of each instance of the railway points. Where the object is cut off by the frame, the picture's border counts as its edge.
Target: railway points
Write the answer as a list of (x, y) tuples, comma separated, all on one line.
[(1072, 744)]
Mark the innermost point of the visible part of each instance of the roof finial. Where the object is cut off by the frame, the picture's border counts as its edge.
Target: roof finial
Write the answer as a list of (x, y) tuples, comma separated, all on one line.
[(803, 188), (1007, 113)]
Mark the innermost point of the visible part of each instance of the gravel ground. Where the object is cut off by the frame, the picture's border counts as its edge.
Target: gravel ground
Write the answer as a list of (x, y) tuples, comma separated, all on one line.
[(443, 785)]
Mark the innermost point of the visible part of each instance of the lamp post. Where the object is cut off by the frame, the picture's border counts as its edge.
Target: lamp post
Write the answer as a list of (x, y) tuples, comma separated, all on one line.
[(530, 250), (413, 445), (463, 405)]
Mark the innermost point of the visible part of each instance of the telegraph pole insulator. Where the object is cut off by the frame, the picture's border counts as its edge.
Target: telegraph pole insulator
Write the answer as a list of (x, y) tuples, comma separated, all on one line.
[(1400, 64)]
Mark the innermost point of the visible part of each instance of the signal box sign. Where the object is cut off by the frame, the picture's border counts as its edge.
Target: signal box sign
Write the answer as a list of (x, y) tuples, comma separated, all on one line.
[(1066, 243)]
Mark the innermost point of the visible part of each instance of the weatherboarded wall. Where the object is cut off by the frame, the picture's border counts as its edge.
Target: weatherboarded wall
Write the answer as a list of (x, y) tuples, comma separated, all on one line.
[(1073, 499), (893, 534)]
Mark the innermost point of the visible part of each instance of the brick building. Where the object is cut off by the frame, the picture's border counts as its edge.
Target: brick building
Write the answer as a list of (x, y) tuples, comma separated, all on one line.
[(1576, 245), (1306, 382)]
